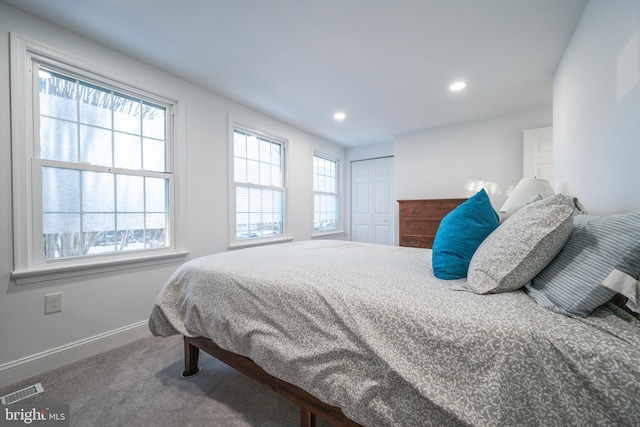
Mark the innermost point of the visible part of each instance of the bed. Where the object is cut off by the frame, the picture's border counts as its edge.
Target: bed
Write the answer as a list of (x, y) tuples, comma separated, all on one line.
[(376, 339)]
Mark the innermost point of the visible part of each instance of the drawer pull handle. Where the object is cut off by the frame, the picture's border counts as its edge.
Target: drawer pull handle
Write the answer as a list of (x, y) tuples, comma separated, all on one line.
[(416, 227), (415, 211), (415, 244)]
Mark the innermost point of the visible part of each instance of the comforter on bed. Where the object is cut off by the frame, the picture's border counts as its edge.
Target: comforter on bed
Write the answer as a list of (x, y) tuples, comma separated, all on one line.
[(370, 329)]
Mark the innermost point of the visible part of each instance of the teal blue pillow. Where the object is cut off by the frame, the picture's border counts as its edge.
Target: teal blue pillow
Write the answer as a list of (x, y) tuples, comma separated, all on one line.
[(459, 235)]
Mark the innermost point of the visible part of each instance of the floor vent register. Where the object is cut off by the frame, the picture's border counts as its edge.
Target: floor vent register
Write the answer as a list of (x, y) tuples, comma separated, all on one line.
[(21, 394)]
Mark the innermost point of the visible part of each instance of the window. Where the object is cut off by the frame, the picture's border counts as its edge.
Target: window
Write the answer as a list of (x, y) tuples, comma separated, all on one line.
[(102, 166), (94, 174), (326, 206), (258, 175)]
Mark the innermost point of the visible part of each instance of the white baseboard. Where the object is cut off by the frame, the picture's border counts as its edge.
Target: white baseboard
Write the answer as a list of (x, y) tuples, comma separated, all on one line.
[(36, 364)]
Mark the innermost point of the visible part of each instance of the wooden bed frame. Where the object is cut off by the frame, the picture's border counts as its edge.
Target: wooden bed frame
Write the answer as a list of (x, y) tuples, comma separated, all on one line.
[(310, 406)]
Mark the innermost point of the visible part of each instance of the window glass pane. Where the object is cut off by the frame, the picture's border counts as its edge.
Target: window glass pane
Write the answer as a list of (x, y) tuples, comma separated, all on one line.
[(242, 225), (239, 144), (257, 160), (56, 223), (155, 233), (255, 200), (126, 114), (95, 106), (263, 214), (253, 147), (242, 214), (130, 193), (265, 151), (153, 155), (95, 146), (276, 176), (97, 192), (240, 169), (128, 226), (128, 240), (155, 237), (128, 153), (58, 140), (98, 233), (156, 221), (156, 194), (57, 96), (253, 172), (278, 201), (153, 121), (61, 236), (60, 190), (255, 224), (126, 221), (99, 223), (264, 171), (326, 212), (242, 199), (276, 154)]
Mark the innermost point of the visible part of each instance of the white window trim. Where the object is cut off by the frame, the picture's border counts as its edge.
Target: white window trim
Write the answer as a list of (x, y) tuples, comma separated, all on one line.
[(22, 134), (340, 230), (234, 243)]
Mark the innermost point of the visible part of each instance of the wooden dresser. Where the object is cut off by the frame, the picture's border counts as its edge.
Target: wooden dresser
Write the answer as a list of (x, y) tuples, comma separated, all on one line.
[(419, 220)]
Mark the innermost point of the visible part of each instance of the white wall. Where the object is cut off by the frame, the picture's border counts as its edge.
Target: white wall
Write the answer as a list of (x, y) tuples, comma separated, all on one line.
[(456, 161), (105, 310), (597, 109)]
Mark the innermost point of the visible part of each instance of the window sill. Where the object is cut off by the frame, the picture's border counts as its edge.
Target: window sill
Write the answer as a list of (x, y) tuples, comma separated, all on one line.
[(331, 233), (55, 272), (259, 242)]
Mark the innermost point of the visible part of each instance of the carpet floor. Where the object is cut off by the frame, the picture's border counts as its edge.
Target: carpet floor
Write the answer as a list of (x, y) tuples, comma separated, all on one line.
[(139, 384)]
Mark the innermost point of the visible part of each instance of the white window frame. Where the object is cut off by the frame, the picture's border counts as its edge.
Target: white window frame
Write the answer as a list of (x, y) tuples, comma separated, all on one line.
[(340, 229), (29, 265), (249, 127)]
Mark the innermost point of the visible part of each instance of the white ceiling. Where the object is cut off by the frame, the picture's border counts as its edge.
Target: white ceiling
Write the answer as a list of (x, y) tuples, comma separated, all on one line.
[(386, 63)]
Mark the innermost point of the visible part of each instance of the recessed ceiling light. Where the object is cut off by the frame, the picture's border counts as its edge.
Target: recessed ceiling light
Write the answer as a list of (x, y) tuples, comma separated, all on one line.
[(339, 116), (457, 86)]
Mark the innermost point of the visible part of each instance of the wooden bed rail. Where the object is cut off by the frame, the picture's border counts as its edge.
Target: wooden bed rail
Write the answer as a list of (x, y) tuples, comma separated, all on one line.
[(310, 406)]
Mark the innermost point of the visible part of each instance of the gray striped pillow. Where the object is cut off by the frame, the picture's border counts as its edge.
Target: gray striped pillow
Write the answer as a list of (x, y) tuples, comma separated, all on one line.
[(571, 283)]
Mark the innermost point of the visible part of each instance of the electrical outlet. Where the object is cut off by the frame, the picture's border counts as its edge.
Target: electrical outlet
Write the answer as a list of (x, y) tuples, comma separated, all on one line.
[(53, 303)]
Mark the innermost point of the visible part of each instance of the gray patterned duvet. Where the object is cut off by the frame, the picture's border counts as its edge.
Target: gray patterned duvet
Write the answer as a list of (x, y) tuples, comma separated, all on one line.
[(370, 329)]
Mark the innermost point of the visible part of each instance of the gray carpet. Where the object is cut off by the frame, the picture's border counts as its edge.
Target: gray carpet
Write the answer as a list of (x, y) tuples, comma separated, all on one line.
[(139, 384)]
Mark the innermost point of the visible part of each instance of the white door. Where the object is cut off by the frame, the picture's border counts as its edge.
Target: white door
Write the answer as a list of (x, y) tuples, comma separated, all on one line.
[(538, 153), (372, 203)]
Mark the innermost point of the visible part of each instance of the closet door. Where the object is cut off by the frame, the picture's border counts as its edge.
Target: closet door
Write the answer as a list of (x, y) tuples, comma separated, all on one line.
[(373, 205), (538, 153)]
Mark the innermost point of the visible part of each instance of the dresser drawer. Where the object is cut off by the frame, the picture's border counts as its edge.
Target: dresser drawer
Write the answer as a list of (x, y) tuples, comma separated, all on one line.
[(425, 227), (425, 242), (418, 209)]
